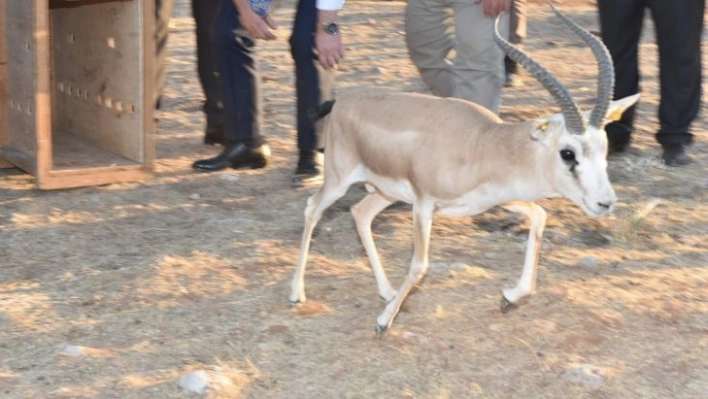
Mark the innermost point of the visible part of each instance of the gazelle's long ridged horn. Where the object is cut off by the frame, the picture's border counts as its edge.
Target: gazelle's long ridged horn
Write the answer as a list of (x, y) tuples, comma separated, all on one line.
[(606, 75), (571, 112)]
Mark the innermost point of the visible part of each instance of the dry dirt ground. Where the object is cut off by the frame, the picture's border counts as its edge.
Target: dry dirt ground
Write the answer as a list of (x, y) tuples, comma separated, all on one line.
[(190, 271)]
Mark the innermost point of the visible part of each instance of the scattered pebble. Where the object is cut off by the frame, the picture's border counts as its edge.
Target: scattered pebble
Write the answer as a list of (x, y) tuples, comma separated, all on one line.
[(228, 177), (438, 266), (585, 374), (381, 70), (371, 21), (71, 350), (459, 266), (194, 196), (589, 262), (196, 381)]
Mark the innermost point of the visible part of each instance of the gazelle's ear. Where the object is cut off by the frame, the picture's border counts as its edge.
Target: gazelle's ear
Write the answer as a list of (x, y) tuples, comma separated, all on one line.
[(617, 108), (542, 127)]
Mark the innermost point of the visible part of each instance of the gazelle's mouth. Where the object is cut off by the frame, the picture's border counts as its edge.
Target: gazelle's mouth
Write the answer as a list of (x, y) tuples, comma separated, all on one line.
[(593, 212)]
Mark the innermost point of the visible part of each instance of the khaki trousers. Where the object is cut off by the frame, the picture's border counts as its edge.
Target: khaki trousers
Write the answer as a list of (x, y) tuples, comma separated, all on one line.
[(434, 28), (517, 22)]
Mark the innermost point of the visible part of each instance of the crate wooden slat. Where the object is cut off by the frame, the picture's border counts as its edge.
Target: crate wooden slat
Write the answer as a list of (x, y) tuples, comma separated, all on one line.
[(76, 90)]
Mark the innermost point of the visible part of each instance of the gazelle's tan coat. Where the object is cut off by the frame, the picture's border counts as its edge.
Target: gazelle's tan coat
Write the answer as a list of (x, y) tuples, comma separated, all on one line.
[(455, 158)]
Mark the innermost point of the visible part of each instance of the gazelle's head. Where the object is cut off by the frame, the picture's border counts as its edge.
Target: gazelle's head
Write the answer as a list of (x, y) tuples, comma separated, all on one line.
[(574, 146)]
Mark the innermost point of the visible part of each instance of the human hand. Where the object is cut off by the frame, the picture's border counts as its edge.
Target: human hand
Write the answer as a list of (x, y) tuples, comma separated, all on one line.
[(330, 49), (258, 27), (492, 8)]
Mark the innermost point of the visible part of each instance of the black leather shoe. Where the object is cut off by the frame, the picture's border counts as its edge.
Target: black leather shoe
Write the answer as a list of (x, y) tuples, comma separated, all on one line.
[(310, 169), (214, 134), (675, 155), (237, 156)]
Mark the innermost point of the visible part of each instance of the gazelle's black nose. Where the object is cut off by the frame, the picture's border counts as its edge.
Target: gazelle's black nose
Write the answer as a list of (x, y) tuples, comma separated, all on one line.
[(606, 205)]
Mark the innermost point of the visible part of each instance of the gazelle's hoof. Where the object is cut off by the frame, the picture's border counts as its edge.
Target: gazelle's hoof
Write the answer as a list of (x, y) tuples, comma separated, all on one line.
[(506, 305), (379, 328), (296, 301)]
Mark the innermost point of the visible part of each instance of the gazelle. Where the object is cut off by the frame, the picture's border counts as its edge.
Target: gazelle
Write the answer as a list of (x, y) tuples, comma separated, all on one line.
[(455, 158)]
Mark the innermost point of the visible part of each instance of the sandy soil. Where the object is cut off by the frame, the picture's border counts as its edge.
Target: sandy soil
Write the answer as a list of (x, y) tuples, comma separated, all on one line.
[(190, 271)]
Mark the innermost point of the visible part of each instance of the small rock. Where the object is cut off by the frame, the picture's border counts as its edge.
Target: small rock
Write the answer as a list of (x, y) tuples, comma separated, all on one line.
[(585, 374), (371, 22), (459, 266), (381, 70), (438, 266), (196, 381), (194, 196), (394, 376), (589, 262), (71, 350), (228, 177)]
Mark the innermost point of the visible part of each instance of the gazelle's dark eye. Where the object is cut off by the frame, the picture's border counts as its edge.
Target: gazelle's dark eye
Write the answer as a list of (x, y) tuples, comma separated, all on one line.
[(567, 155)]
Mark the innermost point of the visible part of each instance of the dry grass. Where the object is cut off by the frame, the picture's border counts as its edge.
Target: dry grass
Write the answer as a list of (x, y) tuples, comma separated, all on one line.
[(153, 281)]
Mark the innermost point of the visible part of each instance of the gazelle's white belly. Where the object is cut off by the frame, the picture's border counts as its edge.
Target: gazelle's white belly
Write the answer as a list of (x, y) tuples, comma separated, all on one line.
[(393, 189)]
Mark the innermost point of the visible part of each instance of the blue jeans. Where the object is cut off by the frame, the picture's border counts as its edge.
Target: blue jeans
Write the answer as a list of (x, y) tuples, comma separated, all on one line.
[(240, 81)]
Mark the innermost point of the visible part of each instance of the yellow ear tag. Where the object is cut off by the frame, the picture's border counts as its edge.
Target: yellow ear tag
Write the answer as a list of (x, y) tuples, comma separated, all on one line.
[(542, 127), (615, 115)]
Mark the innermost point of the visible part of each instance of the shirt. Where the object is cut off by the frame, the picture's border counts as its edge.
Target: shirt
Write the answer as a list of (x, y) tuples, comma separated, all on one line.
[(330, 5)]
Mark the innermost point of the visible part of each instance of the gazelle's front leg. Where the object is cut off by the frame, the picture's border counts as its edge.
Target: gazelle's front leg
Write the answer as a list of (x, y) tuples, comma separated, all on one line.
[(313, 212), (364, 213), (422, 222), (527, 283)]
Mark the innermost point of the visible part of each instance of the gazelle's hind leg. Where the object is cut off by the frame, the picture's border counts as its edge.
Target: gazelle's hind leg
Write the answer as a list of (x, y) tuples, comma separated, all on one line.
[(422, 222), (527, 283), (364, 213), (331, 191)]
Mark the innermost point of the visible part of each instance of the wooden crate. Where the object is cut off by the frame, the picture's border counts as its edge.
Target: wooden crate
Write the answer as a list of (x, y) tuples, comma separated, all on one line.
[(76, 90)]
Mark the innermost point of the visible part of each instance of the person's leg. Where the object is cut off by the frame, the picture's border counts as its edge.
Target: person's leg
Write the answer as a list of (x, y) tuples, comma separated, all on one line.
[(204, 13), (517, 36), (517, 22), (163, 13), (313, 85), (678, 32), (479, 62), (621, 27), (240, 88), (429, 41), (240, 81)]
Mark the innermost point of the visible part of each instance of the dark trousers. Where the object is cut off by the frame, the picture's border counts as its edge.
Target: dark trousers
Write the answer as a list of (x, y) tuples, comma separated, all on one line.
[(204, 13), (163, 13), (240, 81), (678, 32)]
